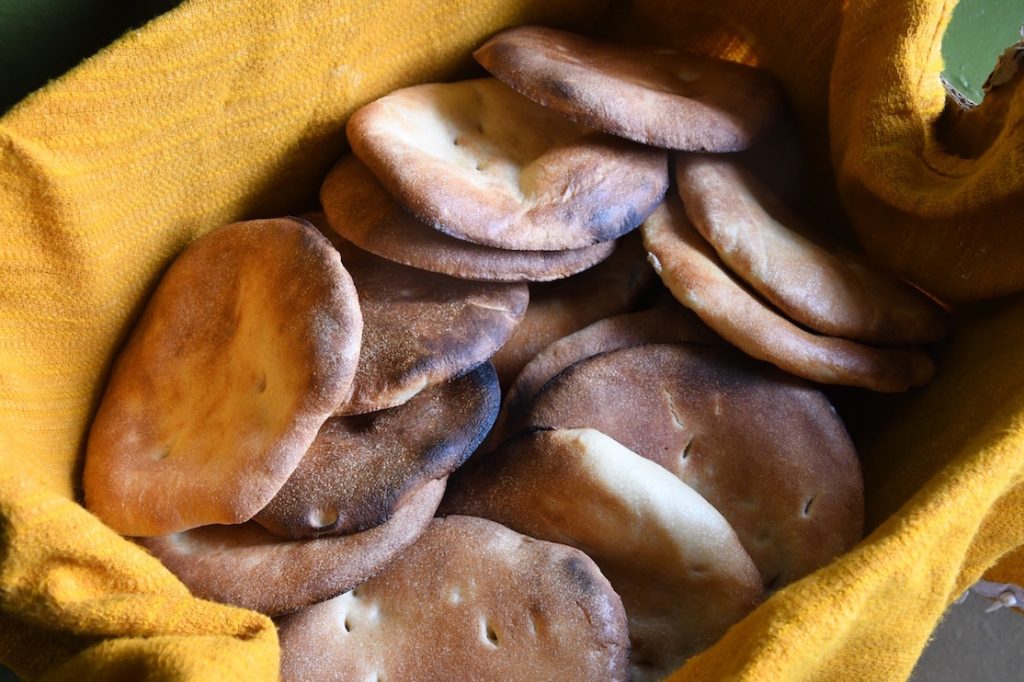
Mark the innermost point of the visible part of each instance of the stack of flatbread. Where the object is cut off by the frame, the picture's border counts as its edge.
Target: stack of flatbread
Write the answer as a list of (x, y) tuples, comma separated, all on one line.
[(305, 420)]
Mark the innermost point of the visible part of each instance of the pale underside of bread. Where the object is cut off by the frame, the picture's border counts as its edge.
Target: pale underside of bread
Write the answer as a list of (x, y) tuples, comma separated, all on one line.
[(765, 448), (683, 575)]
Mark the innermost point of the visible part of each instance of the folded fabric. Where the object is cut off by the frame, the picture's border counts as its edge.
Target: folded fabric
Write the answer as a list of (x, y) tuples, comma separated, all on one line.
[(222, 110)]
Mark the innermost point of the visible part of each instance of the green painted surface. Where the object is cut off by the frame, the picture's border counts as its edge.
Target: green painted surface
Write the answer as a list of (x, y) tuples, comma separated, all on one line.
[(978, 32)]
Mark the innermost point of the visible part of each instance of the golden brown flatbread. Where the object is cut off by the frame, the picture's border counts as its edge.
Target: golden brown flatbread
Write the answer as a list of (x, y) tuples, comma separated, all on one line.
[(833, 292), (766, 449), (420, 328), (246, 566), (360, 210), (471, 600), (665, 323), (657, 96), (683, 575), (248, 344), (480, 162), (690, 269), (558, 309), (360, 469)]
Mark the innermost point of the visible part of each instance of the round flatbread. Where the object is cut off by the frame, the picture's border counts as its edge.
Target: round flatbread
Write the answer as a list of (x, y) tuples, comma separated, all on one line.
[(471, 600), (482, 163), (833, 292), (657, 96), (246, 566), (665, 323), (420, 328), (694, 274), (361, 210), (766, 449), (248, 344), (683, 575), (360, 469), (558, 309)]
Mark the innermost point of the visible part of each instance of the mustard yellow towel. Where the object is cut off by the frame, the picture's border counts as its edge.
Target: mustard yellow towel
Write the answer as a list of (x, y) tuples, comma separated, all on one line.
[(223, 110)]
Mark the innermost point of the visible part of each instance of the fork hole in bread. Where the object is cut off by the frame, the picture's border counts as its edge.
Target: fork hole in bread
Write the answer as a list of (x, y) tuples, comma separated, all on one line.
[(488, 633), (322, 518), (807, 507)]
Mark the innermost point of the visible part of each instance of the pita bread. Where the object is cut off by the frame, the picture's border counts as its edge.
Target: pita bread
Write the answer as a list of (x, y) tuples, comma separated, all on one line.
[(692, 271), (246, 566), (360, 469), (482, 163), (248, 344), (360, 210), (683, 575), (657, 96), (471, 600), (766, 449), (834, 292), (420, 328), (558, 309), (665, 323)]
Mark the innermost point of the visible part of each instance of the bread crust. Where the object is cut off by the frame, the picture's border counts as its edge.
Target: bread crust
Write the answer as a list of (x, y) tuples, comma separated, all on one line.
[(360, 469), (832, 291), (656, 96), (246, 566), (248, 344), (472, 600), (680, 569), (766, 449), (360, 210), (481, 163), (694, 274)]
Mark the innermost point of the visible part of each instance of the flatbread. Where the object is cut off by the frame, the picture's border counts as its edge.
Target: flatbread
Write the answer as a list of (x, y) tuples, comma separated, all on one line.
[(472, 600), (248, 344), (657, 96), (420, 328), (481, 163), (665, 323), (361, 210), (690, 269), (558, 309), (683, 575), (766, 449), (360, 469), (833, 292), (246, 566)]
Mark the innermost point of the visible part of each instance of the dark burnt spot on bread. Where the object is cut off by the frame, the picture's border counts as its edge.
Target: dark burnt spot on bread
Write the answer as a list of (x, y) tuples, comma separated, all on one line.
[(580, 573)]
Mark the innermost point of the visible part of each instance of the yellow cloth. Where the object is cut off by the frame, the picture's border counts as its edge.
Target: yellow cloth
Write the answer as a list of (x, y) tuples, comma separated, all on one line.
[(223, 110)]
